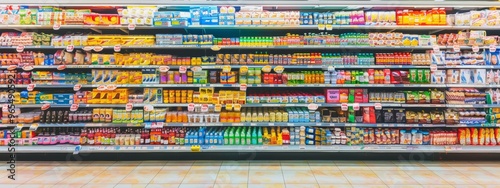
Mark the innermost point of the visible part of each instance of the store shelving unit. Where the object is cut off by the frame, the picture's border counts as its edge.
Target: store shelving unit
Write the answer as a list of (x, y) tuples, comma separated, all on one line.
[(313, 5)]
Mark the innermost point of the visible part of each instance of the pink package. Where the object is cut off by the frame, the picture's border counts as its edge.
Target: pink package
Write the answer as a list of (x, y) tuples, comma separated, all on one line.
[(332, 95)]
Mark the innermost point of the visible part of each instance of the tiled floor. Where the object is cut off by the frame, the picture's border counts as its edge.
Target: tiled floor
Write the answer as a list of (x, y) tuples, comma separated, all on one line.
[(272, 174)]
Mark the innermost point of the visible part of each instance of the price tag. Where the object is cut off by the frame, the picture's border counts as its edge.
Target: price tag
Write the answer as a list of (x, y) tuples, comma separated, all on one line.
[(74, 107), (128, 107), (196, 69), (434, 67), (77, 87), (191, 107), (204, 108), (117, 48), (243, 69), (321, 27), (279, 69), (329, 27), (267, 69), (331, 68), (45, 107), (20, 48), (61, 67), (164, 68), (218, 108), (302, 147), (77, 150), (34, 127), (436, 49), (344, 107), (19, 127), (131, 26), (378, 106), (157, 125), (475, 48), (182, 69), (148, 108), (30, 87), (456, 48), (226, 68), (88, 48), (215, 48), (70, 48), (111, 87), (312, 107), (12, 67), (27, 68), (56, 26), (493, 48), (355, 106), (237, 107), (243, 87), (285, 147), (101, 88), (5, 107), (98, 48)]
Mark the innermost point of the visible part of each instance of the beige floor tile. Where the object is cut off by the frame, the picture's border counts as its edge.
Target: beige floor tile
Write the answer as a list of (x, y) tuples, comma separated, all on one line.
[(270, 185), (491, 186), (438, 166), (381, 165), (330, 177), (64, 185), (231, 185), (299, 177), (470, 186), (99, 185), (330, 165), (395, 177), (148, 167), (135, 185), (153, 163), (98, 163), (352, 165), (335, 185), (80, 177), (232, 177), (68, 168), (200, 177), (92, 167), (51, 177), (171, 177), (21, 176), (310, 185), (426, 177), (362, 177), (265, 177), (235, 165), (35, 186), (196, 186), (271, 166), (124, 168), (286, 166), (111, 177), (139, 176), (454, 177), (127, 163), (177, 165), (438, 186), (206, 166), (162, 185), (406, 186), (369, 186), (482, 177)]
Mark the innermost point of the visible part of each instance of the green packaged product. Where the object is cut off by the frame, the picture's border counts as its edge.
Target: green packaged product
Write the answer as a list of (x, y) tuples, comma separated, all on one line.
[(413, 76)]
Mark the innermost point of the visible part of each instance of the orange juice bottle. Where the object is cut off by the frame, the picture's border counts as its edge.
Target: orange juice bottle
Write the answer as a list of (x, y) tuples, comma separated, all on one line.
[(406, 18), (435, 16), (429, 16), (442, 16), (411, 17), (223, 117)]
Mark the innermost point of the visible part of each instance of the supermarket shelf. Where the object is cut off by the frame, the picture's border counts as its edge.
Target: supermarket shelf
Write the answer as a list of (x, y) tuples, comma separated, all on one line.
[(247, 124), (232, 66), (257, 148), (260, 27)]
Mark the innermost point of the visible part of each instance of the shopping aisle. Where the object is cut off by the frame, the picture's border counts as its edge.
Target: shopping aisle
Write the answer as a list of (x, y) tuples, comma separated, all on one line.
[(273, 174)]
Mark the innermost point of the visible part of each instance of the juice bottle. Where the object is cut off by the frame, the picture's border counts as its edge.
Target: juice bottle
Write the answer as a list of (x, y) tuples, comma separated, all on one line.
[(411, 17), (435, 16), (442, 16), (405, 16)]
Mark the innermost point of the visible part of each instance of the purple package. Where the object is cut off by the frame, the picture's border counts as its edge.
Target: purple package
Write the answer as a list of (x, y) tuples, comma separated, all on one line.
[(163, 78), (184, 78)]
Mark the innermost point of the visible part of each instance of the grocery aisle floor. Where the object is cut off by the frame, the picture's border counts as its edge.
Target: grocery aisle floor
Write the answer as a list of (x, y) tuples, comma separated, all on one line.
[(272, 174)]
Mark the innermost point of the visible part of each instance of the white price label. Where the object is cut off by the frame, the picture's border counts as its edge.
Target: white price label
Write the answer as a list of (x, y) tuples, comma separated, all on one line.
[(218, 108), (285, 147), (312, 107), (204, 108), (5, 107), (148, 108), (355, 106), (329, 27), (70, 48), (493, 48), (98, 48), (20, 48), (117, 48), (30, 87), (215, 48), (61, 67), (45, 107), (243, 87), (34, 127), (191, 107), (111, 87), (434, 67), (88, 48), (436, 49), (321, 27), (267, 69), (101, 88), (344, 107), (12, 67), (456, 48), (475, 48), (237, 107), (129, 107), (378, 106), (182, 69), (226, 68), (74, 107), (331, 68), (196, 69), (27, 68), (77, 87), (279, 69), (56, 26), (164, 68), (131, 26)]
